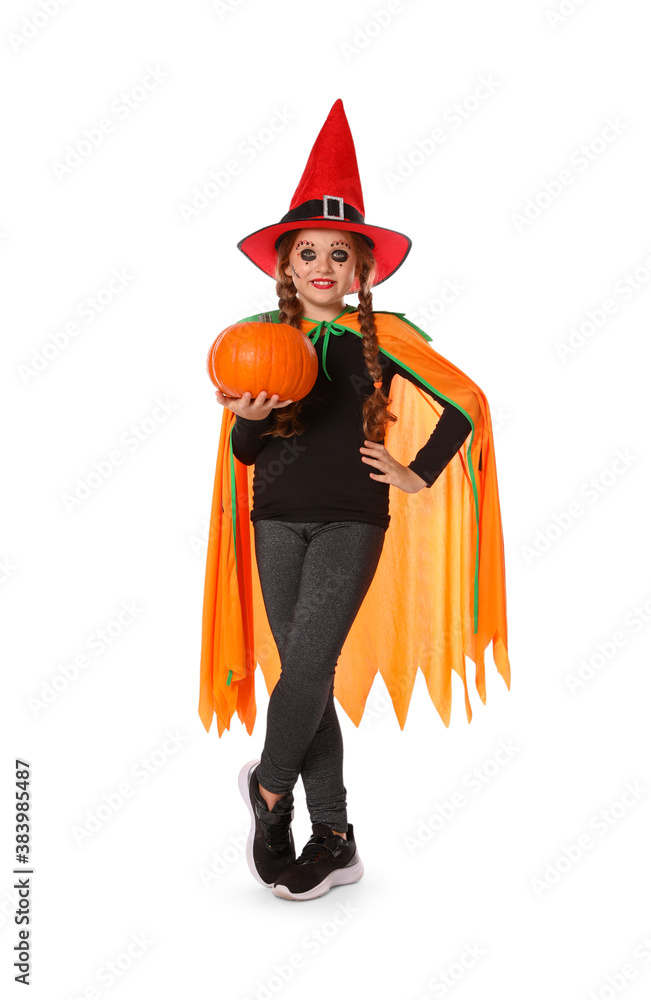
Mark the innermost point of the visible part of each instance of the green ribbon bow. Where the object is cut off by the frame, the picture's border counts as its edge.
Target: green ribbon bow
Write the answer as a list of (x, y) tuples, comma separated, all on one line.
[(328, 327)]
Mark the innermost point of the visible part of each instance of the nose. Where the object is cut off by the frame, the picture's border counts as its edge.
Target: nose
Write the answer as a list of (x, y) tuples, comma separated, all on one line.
[(323, 267)]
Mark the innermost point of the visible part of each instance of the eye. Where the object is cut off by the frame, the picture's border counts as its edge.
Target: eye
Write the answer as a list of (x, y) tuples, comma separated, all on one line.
[(340, 255), (307, 254)]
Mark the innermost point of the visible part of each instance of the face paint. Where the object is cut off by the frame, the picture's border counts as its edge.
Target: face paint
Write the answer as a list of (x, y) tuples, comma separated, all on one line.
[(320, 284), (340, 259), (308, 254)]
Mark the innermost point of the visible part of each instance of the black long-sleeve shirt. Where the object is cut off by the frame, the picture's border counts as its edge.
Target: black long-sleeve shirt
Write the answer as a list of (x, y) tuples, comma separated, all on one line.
[(319, 475)]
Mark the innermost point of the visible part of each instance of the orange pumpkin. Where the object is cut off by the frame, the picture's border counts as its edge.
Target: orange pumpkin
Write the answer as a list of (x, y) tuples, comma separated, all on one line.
[(253, 356)]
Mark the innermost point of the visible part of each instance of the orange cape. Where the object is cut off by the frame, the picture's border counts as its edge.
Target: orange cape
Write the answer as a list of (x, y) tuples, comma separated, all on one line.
[(439, 591)]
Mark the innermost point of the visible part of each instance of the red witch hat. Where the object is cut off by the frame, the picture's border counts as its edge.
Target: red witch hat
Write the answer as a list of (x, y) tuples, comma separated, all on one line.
[(329, 196)]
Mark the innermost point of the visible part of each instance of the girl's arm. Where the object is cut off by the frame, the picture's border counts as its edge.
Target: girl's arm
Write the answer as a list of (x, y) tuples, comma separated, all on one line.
[(246, 437), (445, 440), (247, 430)]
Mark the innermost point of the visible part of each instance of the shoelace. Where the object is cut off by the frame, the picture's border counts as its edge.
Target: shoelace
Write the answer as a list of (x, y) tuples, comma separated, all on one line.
[(277, 836), (315, 848)]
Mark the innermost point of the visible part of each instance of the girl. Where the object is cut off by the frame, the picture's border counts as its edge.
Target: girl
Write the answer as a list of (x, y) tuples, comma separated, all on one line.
[(320, 512)]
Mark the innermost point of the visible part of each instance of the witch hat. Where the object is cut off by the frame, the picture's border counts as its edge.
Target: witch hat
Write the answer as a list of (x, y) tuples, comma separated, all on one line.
[(329, 196)]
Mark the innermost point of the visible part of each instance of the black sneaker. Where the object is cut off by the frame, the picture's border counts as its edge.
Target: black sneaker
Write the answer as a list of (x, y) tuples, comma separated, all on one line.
[(326, 860), (270, 846)]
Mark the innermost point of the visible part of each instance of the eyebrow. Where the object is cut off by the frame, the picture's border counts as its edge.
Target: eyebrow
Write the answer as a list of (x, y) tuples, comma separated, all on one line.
[(336, 243)]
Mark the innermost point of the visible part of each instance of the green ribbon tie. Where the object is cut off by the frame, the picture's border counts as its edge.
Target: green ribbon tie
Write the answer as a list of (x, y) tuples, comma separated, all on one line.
[(328, 327)]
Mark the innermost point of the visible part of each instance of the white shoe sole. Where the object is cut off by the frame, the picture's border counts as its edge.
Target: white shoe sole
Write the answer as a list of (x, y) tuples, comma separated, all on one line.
[(340, 876), (243, 785)]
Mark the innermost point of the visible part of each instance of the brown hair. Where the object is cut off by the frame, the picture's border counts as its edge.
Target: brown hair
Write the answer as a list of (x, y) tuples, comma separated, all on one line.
[(375, 407)]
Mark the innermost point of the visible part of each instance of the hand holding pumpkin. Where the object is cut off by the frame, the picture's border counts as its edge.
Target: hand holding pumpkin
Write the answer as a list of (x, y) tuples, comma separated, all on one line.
[(252, 409), (256, 355)]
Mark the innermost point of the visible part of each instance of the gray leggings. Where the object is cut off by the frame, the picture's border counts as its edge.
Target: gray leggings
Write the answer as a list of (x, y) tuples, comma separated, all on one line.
[(314, 576)]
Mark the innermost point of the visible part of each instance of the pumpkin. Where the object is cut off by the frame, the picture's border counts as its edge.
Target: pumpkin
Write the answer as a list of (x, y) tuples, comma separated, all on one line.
[(256, 356)]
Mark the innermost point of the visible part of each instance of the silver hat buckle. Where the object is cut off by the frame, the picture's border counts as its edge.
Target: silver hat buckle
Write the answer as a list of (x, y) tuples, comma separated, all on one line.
[(326, 213)]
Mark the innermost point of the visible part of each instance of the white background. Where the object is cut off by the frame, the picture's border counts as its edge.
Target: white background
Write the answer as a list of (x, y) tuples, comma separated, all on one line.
[(504, 874)]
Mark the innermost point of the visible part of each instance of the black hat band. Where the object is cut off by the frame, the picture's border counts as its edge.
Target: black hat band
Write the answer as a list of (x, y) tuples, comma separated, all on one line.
[(328, 207)]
